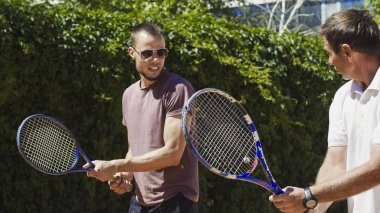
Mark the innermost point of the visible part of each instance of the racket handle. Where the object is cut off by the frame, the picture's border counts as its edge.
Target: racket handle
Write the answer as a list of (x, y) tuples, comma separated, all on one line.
[(276, 189)]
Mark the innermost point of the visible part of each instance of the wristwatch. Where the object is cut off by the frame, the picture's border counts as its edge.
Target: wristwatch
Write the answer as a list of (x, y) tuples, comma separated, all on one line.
[(310, 202)]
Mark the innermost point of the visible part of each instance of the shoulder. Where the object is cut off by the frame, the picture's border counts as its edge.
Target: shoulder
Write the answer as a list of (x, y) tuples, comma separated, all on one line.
[(177, 81), (344, 90), (340, 96), (131, 88), (174, 77)]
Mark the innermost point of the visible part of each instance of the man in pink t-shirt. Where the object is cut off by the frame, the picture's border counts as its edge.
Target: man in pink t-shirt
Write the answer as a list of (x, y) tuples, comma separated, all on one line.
[(165, 171)]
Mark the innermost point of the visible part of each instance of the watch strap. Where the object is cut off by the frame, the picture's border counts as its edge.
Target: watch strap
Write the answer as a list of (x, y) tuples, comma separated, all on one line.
[(308, 194), (310, 202)]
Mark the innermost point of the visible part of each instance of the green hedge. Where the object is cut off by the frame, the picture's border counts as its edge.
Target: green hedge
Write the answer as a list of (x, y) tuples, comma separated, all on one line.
[(70, 61)]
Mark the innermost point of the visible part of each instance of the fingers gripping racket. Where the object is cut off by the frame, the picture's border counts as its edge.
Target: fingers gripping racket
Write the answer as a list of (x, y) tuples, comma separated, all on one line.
[(48, 146), (223, 137)]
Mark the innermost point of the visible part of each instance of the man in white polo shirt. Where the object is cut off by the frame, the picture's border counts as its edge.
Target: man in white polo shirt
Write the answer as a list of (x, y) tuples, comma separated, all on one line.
[(351, 169)]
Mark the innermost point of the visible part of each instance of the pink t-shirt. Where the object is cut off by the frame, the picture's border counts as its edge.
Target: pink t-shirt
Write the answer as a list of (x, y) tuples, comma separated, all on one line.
[(144, 113)]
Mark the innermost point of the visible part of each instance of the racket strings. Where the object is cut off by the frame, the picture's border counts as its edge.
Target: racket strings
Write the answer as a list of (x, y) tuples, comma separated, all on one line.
[(229, 159), (48, 145), (221, 134)]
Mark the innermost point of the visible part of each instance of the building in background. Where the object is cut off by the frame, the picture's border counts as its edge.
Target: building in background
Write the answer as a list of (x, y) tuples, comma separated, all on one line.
[(53, 2), (305, 16), (325, 8)]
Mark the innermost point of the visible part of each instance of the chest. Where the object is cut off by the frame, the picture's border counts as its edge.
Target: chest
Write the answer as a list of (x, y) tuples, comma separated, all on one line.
[(144, 115), (144, 104), (361, 111)]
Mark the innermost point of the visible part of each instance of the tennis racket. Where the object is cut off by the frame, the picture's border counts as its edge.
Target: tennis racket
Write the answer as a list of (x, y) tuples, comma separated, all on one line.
[(48, 146), (223, 137)]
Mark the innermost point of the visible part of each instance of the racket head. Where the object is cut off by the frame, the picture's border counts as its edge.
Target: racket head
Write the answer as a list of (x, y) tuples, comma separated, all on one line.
[(218, 130), (47, 145), (223, 137)]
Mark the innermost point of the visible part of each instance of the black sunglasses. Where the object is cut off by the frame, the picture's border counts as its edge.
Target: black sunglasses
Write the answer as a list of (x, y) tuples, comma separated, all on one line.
[(145, 54)]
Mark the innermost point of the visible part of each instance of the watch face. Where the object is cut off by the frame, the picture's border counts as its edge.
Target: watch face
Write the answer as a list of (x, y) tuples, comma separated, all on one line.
[(311, 204)]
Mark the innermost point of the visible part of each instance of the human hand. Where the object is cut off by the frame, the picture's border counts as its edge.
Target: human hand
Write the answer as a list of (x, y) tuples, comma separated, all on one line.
[(122, 182), (103, 170), (291, 201)]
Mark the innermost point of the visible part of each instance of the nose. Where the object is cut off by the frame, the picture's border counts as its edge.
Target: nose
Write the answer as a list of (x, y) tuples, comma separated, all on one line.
[(155, 57)]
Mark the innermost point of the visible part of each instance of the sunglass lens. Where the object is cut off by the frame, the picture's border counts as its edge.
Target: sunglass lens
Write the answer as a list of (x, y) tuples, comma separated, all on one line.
[(162, 53), (146, 54)]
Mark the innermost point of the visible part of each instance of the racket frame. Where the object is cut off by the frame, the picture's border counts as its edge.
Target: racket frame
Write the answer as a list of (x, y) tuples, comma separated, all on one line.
[(77, 147), (272, 186)]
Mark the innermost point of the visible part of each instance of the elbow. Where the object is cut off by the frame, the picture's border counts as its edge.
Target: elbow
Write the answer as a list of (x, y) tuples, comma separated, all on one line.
[(177, 160), (176, 163)]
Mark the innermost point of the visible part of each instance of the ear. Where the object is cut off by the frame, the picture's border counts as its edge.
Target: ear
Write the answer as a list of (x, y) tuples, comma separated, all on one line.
[(347, 52), (130, 52)]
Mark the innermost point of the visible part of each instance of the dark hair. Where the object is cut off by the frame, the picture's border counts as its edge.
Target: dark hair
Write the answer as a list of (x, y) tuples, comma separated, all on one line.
[(354, 27), (149, 28)]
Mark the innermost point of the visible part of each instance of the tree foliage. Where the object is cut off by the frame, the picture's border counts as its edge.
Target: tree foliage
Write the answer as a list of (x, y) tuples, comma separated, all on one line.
[(70, 61), (374, 6)]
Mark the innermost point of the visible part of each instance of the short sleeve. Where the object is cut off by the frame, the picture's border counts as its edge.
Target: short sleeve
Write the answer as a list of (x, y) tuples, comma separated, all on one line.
[(376, 135), (337, 134), (177, 98), (123, 107), (376, 132)]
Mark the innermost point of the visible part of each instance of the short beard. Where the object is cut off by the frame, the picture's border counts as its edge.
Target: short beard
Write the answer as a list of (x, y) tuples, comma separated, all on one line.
[(152, 78)]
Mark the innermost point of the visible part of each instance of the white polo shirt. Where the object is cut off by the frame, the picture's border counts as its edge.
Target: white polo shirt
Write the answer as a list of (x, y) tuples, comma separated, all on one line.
[(354, 121)]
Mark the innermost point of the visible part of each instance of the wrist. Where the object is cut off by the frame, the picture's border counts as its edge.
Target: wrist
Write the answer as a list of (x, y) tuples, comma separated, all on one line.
[(120, 165), (310, 201), (115, 166)]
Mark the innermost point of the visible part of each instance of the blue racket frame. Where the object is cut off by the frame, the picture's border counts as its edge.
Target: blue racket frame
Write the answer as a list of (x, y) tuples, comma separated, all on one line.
[(272, 186), (77, 152)]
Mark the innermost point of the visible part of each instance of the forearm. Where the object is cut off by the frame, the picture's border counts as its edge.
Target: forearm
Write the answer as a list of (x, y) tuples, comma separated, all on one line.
[(168, 155), (327, 172), (333, 166), (154, 160), (350, 183)]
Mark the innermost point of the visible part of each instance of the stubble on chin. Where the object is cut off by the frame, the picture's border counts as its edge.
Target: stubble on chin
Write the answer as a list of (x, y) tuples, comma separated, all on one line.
[(151, 78)]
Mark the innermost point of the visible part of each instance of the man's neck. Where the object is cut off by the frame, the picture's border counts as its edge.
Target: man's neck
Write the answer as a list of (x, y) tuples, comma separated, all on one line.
[(368, 68), (144, 83)]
